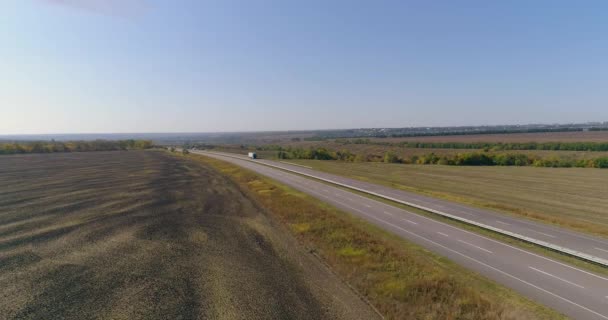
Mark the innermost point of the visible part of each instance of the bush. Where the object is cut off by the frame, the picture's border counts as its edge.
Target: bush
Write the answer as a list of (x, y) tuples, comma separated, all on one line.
[(391, 157), (461, 159), (601, 162)]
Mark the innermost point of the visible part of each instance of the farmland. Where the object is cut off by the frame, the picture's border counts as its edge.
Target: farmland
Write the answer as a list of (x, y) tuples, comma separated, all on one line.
[(377, 153), (465, 150), (576, 198), (146, 235)]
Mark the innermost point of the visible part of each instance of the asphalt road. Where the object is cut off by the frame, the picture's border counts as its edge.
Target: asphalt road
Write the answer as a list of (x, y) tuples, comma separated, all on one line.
[(577, 293), (583, 244)]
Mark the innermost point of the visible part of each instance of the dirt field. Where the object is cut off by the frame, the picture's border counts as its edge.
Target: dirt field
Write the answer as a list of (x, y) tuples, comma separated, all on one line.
[(572, 197), (590, 136), (143, 235)]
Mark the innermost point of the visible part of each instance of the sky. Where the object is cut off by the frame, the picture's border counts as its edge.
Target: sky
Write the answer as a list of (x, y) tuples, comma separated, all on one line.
[(99, 66)]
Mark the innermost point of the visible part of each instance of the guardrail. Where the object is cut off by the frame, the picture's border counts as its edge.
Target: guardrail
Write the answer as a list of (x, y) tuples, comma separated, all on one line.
[(545, 244)]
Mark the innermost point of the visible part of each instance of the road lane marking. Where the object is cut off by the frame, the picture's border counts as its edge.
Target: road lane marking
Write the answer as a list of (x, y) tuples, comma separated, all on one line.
[(478, 247), (386, 212), (410, 221), (443, 234), (479, 262), (506, 224), (295, 164), (601, 249), (544, 234), (367, 205), (467, 213), (349, 199), (556, 277)]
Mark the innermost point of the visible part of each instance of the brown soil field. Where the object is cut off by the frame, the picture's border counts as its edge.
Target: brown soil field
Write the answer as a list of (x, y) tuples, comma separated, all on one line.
[(146, 235), (580, 136)]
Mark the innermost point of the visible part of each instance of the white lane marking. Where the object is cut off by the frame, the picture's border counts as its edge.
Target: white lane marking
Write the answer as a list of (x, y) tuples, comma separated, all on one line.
[(489, 239), (386, 212), (467, 213), (478, 247), (501, 222), (565, 232), (473, 234), (600, 249), (544, 234), (325, 190), (349, 199), (443, 234), (367, 205), (431, 203), (295, 164), (479, 262), (556, 277), (410, 221)]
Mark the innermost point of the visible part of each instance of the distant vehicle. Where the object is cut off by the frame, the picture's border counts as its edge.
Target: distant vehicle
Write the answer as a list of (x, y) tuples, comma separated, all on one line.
[(252, 155)]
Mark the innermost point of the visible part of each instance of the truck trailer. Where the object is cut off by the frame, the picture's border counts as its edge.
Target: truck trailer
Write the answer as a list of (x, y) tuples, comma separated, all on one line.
[(252, 155)]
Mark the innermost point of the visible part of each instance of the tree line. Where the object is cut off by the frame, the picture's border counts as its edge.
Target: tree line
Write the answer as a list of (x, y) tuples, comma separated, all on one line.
[(507, 159), (489, 146), (460, 159), (72, 146), (433, 132)]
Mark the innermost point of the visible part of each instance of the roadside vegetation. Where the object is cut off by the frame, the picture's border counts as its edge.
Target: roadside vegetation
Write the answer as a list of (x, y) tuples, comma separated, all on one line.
[(430, 132), (514, 149), (572, 198), (72, 146), (458, 159), (494, 146), (400, 279), (600, 136)]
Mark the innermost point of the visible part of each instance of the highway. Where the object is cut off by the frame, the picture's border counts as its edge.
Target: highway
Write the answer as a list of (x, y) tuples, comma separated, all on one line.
[(577, 293), (584, 246)]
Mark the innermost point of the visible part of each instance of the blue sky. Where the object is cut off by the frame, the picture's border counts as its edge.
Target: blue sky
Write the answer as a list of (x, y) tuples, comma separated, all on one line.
[(69, 66)]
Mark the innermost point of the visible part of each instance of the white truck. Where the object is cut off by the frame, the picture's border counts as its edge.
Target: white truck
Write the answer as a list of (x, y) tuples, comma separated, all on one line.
[(252, 155)]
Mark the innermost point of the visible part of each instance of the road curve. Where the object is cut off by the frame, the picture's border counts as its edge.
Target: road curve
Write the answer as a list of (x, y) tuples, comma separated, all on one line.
[(577, 293)]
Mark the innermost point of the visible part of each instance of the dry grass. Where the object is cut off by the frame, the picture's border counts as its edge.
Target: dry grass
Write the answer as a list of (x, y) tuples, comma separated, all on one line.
[(575, 198), (402, 280), (144, 235)]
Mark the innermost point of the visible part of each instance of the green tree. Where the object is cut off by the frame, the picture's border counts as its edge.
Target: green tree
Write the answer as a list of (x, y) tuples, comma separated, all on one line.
[(390, 157)]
